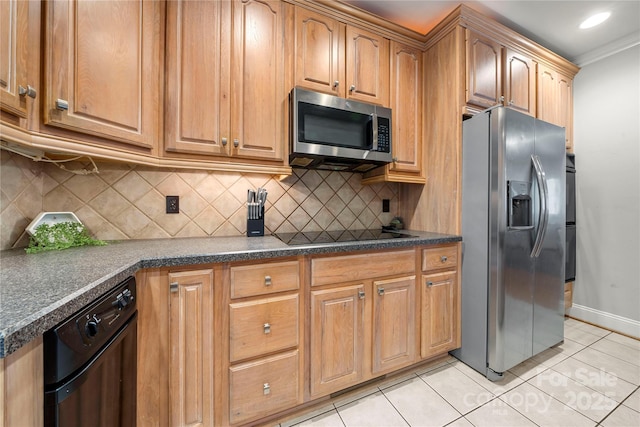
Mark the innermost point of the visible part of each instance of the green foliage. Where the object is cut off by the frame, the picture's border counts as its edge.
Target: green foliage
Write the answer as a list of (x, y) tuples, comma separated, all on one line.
[(59, 236)]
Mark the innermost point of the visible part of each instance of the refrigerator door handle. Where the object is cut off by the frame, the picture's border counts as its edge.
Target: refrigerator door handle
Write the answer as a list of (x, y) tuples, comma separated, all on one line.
[(544, 206)]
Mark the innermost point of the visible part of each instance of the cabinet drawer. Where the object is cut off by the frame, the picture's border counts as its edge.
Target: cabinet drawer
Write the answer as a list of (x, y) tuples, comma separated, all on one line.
[(440, 257), (346, 268), (261, 279), (260, 388), (263, 326)]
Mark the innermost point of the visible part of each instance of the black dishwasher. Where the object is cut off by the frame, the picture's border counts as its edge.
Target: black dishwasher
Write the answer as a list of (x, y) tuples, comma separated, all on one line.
[(90, 363)]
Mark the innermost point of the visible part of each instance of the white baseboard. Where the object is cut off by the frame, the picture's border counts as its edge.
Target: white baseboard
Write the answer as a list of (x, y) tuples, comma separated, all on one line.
[(606, 320)]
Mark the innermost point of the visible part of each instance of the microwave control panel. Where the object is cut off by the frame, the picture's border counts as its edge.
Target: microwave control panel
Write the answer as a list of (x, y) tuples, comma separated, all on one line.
[(384, 137)]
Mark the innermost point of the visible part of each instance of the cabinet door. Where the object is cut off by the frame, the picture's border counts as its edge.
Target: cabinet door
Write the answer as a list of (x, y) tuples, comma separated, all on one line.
[(393, 323), (548, 93), (520, 83), (337, 338), (191, 342), (259, 79), (367, 66), (319, 52), (102, 65), (484, 70), (197, 76), (565, 108), (14, 19), (440, 330), (406, 107)]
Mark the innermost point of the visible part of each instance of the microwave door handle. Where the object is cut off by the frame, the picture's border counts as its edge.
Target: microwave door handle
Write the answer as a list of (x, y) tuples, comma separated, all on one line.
[(374, 124)]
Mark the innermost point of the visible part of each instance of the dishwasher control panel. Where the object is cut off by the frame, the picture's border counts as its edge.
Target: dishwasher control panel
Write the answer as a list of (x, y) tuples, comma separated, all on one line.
[(75, 340)]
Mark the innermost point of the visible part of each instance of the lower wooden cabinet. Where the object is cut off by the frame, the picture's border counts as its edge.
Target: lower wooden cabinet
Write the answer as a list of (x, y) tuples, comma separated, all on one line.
[(363, 328), (440, 300), (263, 387), (191, 343), (175, 347), (337, 338), (439, 314), (394, 344), (237, 343)]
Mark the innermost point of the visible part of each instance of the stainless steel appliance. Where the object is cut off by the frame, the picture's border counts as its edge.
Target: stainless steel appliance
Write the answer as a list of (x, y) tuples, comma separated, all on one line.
[(90, 363), (513, 233), (570, 264), (332, 133)]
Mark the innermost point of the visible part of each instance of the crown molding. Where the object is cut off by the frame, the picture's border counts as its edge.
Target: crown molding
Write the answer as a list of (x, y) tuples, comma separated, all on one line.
[(607, 50)]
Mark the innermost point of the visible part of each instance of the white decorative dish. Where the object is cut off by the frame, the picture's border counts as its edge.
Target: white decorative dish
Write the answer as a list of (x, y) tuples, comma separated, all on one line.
[(51, 218)]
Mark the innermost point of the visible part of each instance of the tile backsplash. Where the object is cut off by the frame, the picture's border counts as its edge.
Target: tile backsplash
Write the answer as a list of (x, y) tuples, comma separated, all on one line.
[(128, 202)]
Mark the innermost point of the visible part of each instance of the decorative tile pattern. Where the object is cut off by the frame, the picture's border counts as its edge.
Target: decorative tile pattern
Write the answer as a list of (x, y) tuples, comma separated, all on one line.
[(128, 202)]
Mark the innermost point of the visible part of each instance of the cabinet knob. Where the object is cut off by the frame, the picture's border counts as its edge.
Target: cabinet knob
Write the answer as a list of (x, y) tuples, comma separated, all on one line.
[(352, 88), (267, 328), (173, 287), (394, 159), (62, 105), (28, 91), (429, 284), (381, 291), (443, 258), (361, 294), (266, 389), (501, 100), (267, 280), (236, 143), (224, 142), (336, 83), (511, 102)]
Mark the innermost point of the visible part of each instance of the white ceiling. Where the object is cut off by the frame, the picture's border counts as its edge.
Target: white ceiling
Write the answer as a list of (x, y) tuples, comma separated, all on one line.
[(551, 23)]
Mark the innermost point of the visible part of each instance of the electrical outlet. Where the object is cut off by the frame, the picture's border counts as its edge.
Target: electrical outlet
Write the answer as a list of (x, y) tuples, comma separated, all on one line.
[(173, 204), (385, 205)]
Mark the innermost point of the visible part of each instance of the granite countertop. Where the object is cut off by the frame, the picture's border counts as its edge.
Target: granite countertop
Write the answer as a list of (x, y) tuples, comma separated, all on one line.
[(38, 291)]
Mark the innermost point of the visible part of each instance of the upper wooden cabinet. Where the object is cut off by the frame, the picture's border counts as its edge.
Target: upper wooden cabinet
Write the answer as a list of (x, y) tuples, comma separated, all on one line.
[(407, 117), (520, 82), (319, 52), (498, 75), (340, 59), (197, 78), (470, 62), (227, 78), (14, 48), (367, 74), (484, 70), (101, 69), (555, 100)]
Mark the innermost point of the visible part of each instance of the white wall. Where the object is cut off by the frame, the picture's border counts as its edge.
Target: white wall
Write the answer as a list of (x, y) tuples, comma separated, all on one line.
[(607, 148)]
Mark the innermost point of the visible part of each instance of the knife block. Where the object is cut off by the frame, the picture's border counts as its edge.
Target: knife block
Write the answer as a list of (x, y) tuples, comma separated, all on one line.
[(255, 227)]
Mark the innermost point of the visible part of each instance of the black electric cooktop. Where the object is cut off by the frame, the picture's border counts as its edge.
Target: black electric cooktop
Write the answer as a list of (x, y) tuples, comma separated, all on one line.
[(313, 237)]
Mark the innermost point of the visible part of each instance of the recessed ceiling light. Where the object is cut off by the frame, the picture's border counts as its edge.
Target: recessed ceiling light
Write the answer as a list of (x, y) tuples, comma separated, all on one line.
[(594, 20)]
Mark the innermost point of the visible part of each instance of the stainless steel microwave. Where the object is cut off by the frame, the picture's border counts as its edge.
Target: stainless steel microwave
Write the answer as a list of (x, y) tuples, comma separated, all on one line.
[(332, 133)]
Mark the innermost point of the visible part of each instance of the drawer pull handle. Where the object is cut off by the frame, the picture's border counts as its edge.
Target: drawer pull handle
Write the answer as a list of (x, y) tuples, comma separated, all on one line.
[(173, 287), (429, 284), (443, 258), (361, 294), (267, 280), (267, 328), (266, 389), (62, 105), (381, 291)]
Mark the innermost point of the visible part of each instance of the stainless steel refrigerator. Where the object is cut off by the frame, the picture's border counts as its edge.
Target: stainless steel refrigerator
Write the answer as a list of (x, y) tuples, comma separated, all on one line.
[(513, 237)]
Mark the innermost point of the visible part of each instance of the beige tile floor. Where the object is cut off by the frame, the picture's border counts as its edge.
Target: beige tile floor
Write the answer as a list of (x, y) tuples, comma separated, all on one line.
[(592, 379)]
